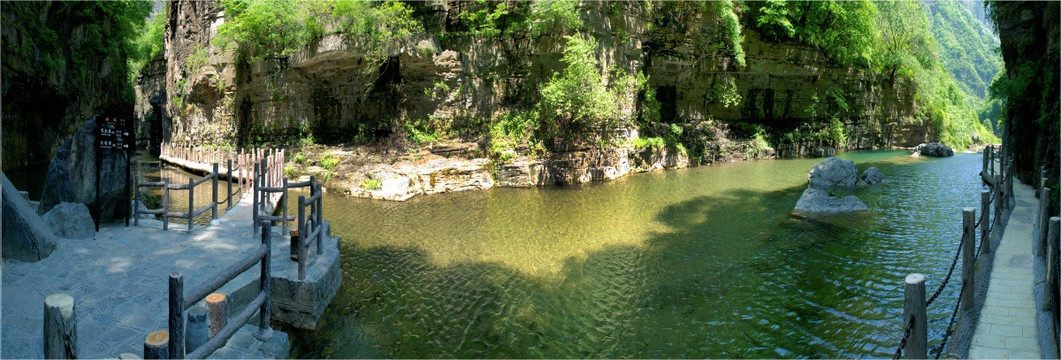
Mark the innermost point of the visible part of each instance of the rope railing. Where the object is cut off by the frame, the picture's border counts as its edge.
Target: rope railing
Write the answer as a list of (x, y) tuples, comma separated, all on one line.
[(915, 307)]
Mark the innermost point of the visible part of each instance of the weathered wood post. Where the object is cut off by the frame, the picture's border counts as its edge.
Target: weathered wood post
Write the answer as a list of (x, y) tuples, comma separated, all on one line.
[(1043, 220), (229, 197), (191, 202), (914, 309), (985, 222), (197, 330), (998, 203), (284, 200), (263, 281), (1050, 291), (320, 216), (969, 257), (156, 345), (254, 202), (983, 168), (991, 160), (176, 315), (218, 305), (165, 204), (1011, 200), (136, 200), (216, 174), (302, 233), (60, 327)]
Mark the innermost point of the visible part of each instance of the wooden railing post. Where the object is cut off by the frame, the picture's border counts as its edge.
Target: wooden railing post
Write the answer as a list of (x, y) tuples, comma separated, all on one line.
[(320, 217), (1050, 291), (1011, 200), (229, 201), (302, 233), (969, 257), (263, 281), (216, 174), (1043, 220), (191, 202), (218, 305), (176, 315), (985, 222), (60, 327), (165, 204), (254, 203), (156, 345), (998, 203), (914, 308), (284, 200), (136, 201), (197, 330)]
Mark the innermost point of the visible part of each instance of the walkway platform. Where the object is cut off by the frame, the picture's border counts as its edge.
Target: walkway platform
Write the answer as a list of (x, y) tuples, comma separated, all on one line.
[(119, 284), (1008, 327)]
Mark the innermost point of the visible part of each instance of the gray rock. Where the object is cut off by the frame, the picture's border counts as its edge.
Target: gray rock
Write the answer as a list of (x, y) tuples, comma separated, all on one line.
[(933, 150), (833, 173), (70, 221), (823, 151), (872, 176), (72, 176), (25, 237), (816, 201)]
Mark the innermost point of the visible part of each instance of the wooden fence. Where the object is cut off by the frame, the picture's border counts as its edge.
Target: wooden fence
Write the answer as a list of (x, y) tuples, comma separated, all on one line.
[(179, 302), (190, 187), (915, 335), (311, 227)]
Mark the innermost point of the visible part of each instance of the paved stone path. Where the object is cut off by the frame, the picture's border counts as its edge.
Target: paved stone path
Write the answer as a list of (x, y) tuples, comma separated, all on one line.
[(1007, 328), (119, 284)]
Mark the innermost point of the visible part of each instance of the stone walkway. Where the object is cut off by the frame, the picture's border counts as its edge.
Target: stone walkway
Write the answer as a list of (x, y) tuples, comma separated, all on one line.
[(119, 284), (1007, 327)]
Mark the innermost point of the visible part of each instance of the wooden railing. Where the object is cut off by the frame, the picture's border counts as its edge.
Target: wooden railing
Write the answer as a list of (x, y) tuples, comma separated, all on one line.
[(915, 321), (179, 302), (166, 187), (310, 228), (270, 189)]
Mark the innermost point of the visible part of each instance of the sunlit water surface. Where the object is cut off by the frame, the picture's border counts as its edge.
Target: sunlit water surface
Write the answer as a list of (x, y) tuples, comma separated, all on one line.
[(701, 262)]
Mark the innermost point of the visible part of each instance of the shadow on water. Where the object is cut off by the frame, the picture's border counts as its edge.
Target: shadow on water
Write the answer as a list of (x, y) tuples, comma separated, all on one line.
[(731, 274)]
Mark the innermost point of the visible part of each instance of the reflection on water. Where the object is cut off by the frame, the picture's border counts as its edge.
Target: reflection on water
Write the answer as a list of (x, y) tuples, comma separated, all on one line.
[(702, 262)]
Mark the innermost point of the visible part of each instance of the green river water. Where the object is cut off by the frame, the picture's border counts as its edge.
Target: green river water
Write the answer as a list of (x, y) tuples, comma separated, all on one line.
[(700, 262)]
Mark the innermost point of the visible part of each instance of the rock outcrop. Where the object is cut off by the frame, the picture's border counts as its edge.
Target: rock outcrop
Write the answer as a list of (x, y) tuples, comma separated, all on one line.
[(872, 176), (25, 235), (833, 173), (71, 221), (829, 176), (933, 150), (72, 176)]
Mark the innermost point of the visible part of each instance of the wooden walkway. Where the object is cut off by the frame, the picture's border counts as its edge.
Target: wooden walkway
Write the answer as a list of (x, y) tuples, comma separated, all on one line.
[(1007, 327)]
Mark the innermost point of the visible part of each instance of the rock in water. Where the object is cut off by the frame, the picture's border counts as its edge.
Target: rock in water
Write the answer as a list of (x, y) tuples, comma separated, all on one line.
[(872, 176), (933, 150), (820, 202), (70, 221), (833, 173), (25, 236), (72, 176)]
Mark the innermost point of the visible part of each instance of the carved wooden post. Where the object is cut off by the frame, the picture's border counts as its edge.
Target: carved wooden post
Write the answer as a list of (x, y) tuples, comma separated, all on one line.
[(156, 345), (985, 222), (136, 200), (191, 202), (176, 315), (60, 327), (216, 174), (165, 204), (263, 281), (254, 203), (196, 332), (218, 305), (914, 308), (969, 257)]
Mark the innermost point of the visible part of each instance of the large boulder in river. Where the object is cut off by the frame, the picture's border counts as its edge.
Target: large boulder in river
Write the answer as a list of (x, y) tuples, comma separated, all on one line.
[(72, 176), (833, 173), (933, 150), (71, 221), (821, 202), (25, 236), (872, 176)]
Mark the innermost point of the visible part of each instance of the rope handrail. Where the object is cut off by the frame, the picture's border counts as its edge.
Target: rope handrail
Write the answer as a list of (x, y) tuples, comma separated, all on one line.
[(906, 336)]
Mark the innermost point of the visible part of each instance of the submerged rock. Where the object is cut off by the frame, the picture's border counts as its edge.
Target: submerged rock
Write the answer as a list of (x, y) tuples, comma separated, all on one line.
[(70, 221), (933, 150), (833, 173), (819, 201), (25, 236), (872, 176)]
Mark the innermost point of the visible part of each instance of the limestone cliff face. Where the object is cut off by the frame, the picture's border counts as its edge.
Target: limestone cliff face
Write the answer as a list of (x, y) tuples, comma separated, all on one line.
[(326, 90), (46, 96)]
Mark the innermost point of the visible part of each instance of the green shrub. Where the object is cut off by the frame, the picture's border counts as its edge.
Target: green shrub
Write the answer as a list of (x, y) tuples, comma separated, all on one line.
[(290, 172), (371, 184), (300, 159), (648, 142), (329, 161)]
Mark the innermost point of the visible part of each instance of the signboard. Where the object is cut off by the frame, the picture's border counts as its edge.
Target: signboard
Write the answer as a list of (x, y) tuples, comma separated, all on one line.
[(113, 133)]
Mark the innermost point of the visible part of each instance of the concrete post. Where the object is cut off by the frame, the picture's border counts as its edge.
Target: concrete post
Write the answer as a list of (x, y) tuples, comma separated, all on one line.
[(914, 308), (197, 330)]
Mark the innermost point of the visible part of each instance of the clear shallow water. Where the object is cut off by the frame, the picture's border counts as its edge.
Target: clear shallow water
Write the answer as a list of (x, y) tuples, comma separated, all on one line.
[(702, 262)]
